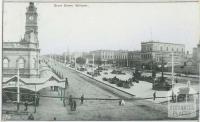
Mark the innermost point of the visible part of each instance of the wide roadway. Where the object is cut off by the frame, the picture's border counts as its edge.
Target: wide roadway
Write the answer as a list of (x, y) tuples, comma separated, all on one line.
[(105, 109)]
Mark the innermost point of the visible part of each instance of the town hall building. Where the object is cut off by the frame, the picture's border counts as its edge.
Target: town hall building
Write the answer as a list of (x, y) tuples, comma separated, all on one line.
[(23, 68), (25, 53)]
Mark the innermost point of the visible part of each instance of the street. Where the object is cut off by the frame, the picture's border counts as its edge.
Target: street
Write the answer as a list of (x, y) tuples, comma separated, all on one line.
[(105, 109), (91, 109)]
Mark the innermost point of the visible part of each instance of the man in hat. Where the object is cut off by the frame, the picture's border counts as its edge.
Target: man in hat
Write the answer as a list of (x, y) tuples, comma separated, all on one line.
[(154, 95), (26, 105), (82, 99)]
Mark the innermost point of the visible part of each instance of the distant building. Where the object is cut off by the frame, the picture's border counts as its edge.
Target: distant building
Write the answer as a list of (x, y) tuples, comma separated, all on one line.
[(25, 53), (188, 55), (121, 58), (103, 56), (156, 51), (134, 58), (196, 54)]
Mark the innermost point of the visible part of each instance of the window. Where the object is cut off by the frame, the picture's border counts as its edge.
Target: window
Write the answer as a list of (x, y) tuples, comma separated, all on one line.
[(161, 48), (5, 63), (21, 63), (167, 49)]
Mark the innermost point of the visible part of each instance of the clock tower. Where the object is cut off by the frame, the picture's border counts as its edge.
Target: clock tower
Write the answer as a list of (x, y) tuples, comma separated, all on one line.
[(31, 28)]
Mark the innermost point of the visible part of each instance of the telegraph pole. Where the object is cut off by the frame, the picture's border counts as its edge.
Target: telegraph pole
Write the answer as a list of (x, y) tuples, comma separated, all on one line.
[(66, 84), (172, 68), (35, 100), (93, 63), (18, 89), (75, 62), (65, 59)]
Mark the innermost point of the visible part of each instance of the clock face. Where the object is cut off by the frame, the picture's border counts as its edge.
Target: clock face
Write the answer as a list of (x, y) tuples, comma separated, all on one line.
[(31, 18)]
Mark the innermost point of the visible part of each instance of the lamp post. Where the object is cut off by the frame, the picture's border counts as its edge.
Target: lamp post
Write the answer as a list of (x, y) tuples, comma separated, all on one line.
[(127, 61), (162, 69), (173, 76), (18, 89), (93, 63), (66, 84), (172, 69), (35, 100), (75, 62), (65, 59)]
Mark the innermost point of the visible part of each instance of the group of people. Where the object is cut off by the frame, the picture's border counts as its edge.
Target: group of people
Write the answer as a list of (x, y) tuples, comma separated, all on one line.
[(26, 103), (72, 102), (31, 117)]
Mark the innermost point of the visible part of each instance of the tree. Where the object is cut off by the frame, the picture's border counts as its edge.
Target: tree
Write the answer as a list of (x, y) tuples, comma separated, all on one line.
[(80, 60), (153, 73), (136, 74)]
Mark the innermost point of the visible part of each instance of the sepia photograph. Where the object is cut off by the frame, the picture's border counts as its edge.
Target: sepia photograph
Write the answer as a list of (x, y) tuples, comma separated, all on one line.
[(100, 60)]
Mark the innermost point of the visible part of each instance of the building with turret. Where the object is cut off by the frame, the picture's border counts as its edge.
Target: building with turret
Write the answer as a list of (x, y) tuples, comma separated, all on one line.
[(25, 53)]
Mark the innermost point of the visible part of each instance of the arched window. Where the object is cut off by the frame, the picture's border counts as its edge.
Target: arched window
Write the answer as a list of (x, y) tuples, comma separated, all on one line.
[(21, 63), (5, 63)]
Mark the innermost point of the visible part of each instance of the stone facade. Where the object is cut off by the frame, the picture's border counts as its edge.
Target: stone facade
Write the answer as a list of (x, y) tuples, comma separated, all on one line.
[(154, 51), (121, 58), (118, 57), (103, 56), (134, 58), (25, 53)]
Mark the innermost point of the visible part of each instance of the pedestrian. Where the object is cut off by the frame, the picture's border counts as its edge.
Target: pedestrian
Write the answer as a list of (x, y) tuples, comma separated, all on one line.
[(31, 117), (37, 100), (54, 118), (74, 105), (26, 105), (82, 99), (71, 106), (176, 80), (154, 95), (122, 102), (70, 99)]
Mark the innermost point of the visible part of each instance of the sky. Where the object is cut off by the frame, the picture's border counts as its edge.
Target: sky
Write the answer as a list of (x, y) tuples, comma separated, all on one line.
[(93, 26)]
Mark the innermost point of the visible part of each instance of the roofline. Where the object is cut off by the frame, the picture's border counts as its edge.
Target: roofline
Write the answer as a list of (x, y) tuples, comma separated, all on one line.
[(161, 43)]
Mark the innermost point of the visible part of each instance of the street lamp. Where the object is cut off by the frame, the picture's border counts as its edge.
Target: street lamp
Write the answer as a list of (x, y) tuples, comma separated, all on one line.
[(75, 62), (18, 86), (18, 89), (65, 59), (127, 62), (93, 63)]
